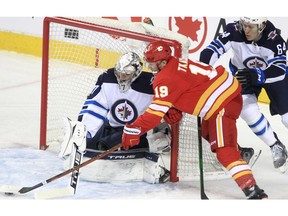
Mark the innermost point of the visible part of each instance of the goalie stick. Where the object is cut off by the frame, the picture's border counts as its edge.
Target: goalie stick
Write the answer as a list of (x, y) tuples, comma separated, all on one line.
[(73, 184), (8, 189)]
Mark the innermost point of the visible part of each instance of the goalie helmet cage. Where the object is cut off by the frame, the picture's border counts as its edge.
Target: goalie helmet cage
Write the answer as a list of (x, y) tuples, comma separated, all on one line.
[(77, 50)]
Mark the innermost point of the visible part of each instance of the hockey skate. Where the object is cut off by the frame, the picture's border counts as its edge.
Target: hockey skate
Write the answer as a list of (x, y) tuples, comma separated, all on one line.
[(165, 175), (254, 192), (279, 155)]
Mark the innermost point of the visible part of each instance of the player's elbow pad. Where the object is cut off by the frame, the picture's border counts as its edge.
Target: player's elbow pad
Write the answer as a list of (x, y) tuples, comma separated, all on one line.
[(205, 55)]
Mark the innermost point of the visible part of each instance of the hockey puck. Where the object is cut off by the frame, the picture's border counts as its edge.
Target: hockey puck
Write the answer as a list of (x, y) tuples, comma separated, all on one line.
[(9, 194)]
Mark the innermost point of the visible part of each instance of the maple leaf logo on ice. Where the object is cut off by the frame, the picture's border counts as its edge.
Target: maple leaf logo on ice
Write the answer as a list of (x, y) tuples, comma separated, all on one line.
[(194, 28)]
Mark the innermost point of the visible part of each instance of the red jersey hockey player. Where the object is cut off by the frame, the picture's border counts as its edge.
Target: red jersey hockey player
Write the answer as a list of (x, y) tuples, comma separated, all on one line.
[(198, 89)]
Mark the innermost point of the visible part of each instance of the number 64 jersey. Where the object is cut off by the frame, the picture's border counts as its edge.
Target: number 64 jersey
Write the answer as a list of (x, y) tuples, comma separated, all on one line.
[(192, 87), (268, 53)]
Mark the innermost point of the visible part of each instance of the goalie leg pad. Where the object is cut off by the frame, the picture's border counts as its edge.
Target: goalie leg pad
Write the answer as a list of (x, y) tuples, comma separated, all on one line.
[(66, 145), (74, 133), (153, 171), (129, 167), (79, 136), (120, 166)]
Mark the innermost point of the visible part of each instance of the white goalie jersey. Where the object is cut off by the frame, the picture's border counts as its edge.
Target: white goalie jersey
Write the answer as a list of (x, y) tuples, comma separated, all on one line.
[(107, 104)]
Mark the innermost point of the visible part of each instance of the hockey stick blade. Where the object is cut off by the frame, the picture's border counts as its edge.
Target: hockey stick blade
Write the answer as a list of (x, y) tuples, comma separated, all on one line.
[(54, 193), (72, 187), (9, 189), (204, 196), (24, 190)]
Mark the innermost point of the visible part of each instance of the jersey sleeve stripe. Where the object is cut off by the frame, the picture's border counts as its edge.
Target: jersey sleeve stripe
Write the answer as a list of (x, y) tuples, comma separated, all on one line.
[(154, 112), (278, 58), (88, 102), (93, 114), (158, 107), (219, 43), (213, 48), (160, 102)]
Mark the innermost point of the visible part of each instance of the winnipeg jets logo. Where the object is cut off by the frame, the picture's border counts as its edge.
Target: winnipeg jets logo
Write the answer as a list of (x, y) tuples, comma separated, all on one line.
[(255, 62), (124, 111)]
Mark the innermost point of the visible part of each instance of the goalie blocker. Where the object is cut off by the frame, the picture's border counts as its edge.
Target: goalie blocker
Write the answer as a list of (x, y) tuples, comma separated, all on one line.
[(122, 166)]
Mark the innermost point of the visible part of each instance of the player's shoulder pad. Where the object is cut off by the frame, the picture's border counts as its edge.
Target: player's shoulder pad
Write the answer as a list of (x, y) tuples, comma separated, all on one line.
[(144, 83), (233, 27), (232, 32), (107, 76), (271, 33)]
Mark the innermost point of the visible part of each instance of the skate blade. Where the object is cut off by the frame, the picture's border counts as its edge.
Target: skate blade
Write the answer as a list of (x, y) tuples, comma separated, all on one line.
[(283, 168)]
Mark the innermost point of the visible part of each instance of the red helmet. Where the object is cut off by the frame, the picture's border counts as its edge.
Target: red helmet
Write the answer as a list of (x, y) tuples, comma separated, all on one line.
[(156, 51)]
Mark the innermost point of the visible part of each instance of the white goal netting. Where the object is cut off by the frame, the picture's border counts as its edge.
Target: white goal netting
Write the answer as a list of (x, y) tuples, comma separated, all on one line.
[(77, 50)]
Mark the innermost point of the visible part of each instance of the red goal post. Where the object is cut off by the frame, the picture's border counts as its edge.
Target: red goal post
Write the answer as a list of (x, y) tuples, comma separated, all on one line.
[(77, 50)]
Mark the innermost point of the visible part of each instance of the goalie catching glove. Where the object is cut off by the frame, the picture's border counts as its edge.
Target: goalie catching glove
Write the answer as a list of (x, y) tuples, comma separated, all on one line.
[(173, 116), (250, 77), (131, 136)]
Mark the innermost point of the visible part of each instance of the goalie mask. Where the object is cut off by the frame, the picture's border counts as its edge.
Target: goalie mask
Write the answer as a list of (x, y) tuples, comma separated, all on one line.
[(127, 69)]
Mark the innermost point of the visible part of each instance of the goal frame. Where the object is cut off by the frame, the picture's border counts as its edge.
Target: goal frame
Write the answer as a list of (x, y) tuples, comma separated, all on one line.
[(104, 29)]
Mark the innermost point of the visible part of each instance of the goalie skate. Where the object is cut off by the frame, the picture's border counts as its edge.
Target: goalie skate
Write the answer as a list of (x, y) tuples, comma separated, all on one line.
[(248, 155), (165, 175)]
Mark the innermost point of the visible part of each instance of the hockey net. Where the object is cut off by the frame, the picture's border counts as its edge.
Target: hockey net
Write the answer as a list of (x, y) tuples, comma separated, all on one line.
[(76, 50)]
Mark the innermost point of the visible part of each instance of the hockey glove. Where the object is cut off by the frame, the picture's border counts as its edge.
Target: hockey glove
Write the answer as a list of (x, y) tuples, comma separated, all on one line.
[(131, 136), (173, 116), (250, 77)]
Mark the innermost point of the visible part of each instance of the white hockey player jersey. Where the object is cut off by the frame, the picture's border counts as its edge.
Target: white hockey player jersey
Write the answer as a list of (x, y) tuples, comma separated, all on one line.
[(269, 53)]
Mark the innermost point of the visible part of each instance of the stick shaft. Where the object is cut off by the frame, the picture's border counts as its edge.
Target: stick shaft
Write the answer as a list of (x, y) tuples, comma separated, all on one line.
[(28, 189), (202, 190)]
